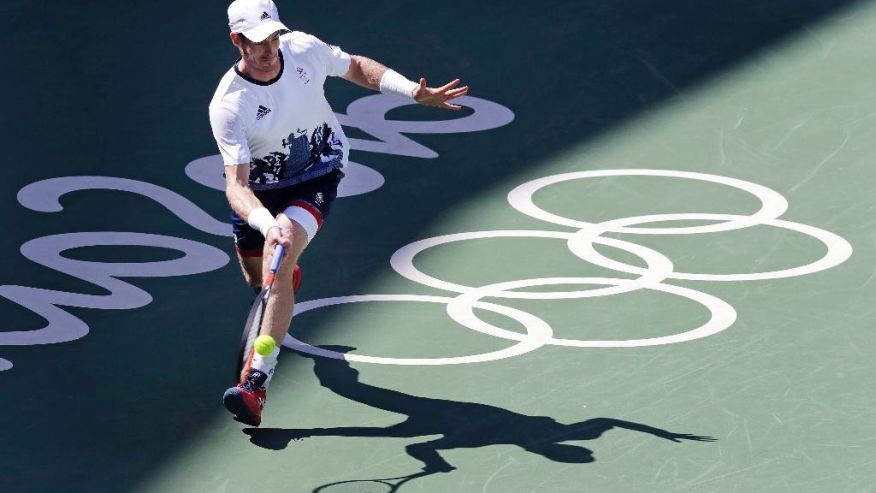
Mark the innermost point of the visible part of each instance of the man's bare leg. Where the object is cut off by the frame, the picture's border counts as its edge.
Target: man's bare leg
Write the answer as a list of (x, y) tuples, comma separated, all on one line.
[(278, 313)]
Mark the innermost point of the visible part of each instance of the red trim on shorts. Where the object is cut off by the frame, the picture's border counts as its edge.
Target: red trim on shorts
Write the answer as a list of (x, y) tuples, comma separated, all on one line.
[(309, 208), (248, 253)]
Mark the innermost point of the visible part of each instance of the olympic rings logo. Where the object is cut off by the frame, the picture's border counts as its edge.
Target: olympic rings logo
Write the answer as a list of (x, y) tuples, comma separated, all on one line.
[(653, 277)]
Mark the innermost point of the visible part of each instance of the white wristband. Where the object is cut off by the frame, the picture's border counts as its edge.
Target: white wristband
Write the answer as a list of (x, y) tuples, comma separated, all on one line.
[(262, 220), (393, 82)]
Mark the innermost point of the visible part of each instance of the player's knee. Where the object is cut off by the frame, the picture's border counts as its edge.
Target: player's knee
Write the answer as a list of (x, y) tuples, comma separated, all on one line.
[(302, 223)]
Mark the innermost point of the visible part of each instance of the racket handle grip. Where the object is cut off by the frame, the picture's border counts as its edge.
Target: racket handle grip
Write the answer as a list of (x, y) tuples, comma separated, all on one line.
[(279, 251)]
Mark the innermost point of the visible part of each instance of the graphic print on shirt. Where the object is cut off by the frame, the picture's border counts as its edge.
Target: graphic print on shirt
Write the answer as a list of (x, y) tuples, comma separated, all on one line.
[(321, 150)]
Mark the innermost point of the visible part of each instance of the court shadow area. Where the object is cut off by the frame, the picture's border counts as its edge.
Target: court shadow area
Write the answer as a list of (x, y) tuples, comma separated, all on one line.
[(460, 424)]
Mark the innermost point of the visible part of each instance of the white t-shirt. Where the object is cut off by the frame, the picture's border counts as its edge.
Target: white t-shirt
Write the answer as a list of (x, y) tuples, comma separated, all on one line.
[(284, 128)]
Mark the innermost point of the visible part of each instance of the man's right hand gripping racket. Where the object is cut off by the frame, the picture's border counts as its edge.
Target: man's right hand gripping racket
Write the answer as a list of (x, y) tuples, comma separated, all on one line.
[(257, 314)]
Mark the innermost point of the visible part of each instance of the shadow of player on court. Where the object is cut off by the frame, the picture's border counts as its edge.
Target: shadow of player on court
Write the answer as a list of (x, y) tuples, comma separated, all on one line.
[(460, 424)]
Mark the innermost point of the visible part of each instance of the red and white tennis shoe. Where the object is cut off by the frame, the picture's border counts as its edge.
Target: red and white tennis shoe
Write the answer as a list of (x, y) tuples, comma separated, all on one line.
[(247, 399)]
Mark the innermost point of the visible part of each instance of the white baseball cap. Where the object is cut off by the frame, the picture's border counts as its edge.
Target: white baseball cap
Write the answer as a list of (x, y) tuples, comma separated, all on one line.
[(255, 19)]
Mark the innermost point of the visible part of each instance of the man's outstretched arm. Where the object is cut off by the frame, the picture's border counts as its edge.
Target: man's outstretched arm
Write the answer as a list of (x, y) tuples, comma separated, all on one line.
[(374, 75)]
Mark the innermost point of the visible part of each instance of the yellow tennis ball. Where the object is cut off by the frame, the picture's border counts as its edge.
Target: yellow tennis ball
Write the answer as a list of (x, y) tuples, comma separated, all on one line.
[(264, 345)]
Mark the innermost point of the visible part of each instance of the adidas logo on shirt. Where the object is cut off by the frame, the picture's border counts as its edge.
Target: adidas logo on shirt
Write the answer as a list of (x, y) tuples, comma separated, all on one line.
[(265, 15), (262, 111)]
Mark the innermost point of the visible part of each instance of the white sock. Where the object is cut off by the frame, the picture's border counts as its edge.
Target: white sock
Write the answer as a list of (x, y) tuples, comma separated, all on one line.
[(266, 364)]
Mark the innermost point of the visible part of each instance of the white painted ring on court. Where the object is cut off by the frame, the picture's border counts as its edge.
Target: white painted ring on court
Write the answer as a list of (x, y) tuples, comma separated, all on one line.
[(838, 249), (773, 204), (538, 332), (722, 314), (658, 266)]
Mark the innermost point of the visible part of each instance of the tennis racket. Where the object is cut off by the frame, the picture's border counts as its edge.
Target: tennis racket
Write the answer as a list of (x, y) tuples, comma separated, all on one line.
[(253, 325)]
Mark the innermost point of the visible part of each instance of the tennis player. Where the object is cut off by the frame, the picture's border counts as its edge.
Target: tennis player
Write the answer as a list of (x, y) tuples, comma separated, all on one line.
[(284, 154)]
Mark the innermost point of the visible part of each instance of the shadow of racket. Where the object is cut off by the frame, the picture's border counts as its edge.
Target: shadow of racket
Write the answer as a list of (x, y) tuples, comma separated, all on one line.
[(384, 485)]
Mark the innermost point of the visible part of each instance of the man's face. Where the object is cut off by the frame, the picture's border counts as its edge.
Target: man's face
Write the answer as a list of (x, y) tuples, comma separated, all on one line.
[(261, 57)]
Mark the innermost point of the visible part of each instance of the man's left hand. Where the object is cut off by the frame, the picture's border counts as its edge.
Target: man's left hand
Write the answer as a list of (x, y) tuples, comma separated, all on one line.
[(438, 96)]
